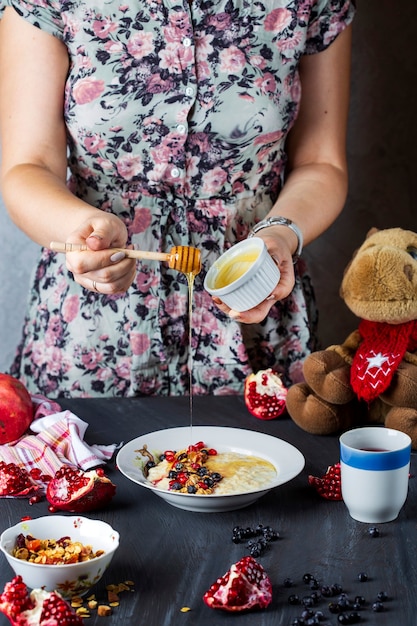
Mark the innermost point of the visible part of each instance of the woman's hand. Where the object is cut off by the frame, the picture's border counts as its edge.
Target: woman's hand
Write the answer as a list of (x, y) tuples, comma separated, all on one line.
[(101, 270)]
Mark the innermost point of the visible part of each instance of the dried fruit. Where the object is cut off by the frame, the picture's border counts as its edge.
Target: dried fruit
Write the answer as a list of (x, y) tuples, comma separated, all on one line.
[(16, 411), (265, 394), (16, 481), (245, 586), (329, 485), (41, 607), (74, 490)]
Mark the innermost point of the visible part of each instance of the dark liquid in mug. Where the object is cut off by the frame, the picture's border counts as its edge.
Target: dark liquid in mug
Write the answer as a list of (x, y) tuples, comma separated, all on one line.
[(374, 449)]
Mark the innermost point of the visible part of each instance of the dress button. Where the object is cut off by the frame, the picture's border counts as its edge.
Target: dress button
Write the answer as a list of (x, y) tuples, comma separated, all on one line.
[(181, 129), (186, 42), (189, 91), (175, 172)]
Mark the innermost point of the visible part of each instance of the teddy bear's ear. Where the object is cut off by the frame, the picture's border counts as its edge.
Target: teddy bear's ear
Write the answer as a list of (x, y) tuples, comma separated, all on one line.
[(370, 232)]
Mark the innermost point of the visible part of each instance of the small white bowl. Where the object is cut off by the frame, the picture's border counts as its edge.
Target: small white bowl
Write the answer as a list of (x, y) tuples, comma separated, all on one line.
[(74, 579), (244, 275)]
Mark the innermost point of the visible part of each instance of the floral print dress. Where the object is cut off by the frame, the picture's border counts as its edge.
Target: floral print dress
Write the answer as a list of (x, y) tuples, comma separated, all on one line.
[(177, 116)]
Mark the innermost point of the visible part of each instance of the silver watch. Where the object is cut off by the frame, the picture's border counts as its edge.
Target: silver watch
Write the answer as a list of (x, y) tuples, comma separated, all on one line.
[(281, 221)]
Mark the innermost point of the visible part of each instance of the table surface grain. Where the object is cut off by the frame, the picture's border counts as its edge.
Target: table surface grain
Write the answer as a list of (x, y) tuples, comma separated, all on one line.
[(173, 556)]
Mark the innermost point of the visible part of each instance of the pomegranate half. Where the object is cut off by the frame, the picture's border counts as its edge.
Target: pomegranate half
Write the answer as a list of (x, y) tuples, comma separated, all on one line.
[(74, 490)]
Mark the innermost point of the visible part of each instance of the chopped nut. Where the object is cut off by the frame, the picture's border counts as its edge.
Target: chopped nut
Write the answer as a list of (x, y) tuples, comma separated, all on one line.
[(114, 603), (82, 612), (92, 604), (185, 609), (112, 596), (103, 610)]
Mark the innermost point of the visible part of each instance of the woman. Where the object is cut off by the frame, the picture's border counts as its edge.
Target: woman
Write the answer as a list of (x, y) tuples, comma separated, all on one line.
[(180, 124)]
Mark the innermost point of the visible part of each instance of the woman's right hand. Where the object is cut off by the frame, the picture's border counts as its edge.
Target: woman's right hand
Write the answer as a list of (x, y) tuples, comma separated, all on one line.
[(100, 269)]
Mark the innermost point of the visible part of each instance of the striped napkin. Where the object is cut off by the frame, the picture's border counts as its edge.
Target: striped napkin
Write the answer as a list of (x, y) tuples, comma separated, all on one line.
[(56, 439)]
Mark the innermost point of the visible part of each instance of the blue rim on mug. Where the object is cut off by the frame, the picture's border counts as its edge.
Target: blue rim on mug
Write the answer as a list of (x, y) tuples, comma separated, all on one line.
[(376, 460)]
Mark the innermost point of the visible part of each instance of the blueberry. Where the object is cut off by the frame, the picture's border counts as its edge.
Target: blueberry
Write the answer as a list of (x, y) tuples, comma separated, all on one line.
[(343, 603), (373, 531), (326, 591), (360, 600), (382, 596), (307, 578), (315, 596), (334, 608), (293, 599), (362, 577), (176, 486), (288, 582), (377, 607), (342, 618), (191, 489)]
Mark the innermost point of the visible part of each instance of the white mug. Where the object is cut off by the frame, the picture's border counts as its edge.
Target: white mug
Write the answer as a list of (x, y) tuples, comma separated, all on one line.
[(374, 469)]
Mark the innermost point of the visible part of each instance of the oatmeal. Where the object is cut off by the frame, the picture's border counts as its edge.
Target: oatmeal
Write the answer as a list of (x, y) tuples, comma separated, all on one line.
[(203, 471)]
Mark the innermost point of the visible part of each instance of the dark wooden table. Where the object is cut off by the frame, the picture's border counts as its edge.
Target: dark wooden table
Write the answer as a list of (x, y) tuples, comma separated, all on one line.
[(173, 556)]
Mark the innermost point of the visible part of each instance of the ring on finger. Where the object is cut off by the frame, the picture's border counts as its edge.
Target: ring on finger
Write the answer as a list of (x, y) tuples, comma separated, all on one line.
[(95, 286)]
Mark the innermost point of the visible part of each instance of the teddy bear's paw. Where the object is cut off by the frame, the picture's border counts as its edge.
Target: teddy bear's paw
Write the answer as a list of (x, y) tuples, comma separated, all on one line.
[(328, 374), (405, 420), (315, 415), (403, 388)]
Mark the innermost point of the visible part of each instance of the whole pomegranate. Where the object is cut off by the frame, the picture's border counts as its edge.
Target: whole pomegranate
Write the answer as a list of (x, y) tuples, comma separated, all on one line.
[(16, 411), (74, 490), (43, 608)]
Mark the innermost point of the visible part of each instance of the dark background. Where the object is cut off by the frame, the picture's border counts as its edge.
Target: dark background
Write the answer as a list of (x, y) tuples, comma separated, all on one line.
[(382, 142)]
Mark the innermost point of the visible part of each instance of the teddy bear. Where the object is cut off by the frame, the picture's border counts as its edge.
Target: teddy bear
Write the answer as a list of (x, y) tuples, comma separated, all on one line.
[(370, 378)]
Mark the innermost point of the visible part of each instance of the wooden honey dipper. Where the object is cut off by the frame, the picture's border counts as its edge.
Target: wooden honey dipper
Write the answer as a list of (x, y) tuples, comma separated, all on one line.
[(182, 258)]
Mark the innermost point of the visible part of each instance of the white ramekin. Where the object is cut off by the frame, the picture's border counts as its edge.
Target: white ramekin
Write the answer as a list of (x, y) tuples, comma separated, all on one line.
[(252, 287)]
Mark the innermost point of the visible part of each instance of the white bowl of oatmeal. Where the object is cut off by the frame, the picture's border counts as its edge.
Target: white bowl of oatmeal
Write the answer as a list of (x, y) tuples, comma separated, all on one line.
[(34, 549), (209, 468)]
